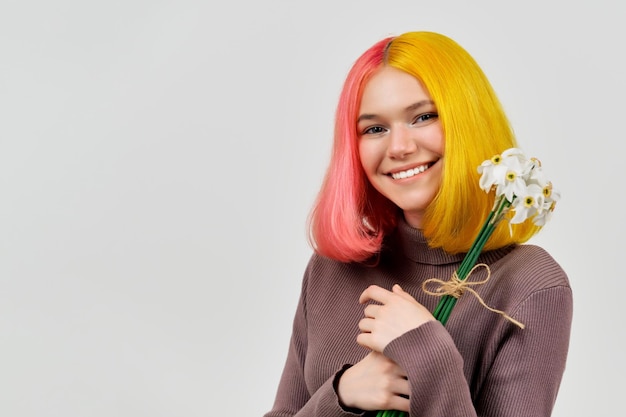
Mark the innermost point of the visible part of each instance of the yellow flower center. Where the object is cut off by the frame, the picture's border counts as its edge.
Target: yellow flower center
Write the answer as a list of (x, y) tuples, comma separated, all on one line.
[(496, 159), (529, 201), (511, 176), (547, 190)]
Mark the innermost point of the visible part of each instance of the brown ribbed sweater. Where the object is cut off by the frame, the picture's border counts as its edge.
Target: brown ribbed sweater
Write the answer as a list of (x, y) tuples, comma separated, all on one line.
[(480, 364)]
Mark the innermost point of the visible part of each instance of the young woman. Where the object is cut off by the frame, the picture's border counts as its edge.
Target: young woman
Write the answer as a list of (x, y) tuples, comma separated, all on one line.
[(401, 204)]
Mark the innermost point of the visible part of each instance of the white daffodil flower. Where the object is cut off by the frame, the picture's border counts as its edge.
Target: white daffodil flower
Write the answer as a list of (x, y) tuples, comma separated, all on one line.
[(513, 182), (528, 204), (522, 182), (513, 185), (491, 170), (545, 215), (551, 196), (514, 152)]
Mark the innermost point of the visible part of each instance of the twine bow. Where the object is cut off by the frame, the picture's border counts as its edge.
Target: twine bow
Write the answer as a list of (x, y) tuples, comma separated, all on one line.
[(455, 287)]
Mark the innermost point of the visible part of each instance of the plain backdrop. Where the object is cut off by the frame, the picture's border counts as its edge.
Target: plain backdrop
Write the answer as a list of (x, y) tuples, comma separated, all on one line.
[(158, 160)]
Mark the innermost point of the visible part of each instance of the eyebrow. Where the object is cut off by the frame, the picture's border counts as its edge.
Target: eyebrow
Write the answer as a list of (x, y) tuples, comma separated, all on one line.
[(409, 109)]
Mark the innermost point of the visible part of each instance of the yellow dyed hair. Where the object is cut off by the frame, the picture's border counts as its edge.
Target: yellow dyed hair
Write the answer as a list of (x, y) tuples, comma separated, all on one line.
[(475, 128)]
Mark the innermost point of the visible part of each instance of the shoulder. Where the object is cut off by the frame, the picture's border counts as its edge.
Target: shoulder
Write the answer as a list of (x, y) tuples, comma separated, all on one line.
[(527, 276), (330, 285), (531, 267), (535, 259), (320, 266), (324, 274)]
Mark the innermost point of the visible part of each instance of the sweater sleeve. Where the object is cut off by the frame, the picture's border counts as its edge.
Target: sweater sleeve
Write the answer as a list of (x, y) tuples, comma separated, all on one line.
[(434, 368), (525, 377), (523, 380), (293, 397)]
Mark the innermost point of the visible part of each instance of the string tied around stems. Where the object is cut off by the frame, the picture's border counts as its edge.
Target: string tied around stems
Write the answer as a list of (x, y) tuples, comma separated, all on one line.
[(455, 287)]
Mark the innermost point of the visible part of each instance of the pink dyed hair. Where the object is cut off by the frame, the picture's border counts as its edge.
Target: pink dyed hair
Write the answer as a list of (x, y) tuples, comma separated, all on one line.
[(342, 222)]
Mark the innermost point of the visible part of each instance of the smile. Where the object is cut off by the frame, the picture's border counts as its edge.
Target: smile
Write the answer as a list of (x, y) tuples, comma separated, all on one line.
[(409, 172)]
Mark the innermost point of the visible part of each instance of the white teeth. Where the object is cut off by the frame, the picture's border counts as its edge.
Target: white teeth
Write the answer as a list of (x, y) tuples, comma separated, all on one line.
[(409, 172)]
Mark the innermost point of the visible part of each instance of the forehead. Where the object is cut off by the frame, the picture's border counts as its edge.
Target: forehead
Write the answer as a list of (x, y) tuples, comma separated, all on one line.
[(390, 88)]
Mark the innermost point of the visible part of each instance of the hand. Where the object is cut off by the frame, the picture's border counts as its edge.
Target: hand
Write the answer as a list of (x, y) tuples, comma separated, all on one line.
[(395, 313), (374, 383)]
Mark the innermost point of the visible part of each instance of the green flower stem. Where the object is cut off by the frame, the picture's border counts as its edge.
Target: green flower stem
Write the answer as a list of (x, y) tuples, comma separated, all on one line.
[(391, 413), (447, 302)]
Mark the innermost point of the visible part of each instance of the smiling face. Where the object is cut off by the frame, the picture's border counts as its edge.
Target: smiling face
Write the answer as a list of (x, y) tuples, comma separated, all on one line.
[(401, 141)]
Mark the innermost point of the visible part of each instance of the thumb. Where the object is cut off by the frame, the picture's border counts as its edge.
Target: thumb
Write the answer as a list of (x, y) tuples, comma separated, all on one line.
[(397, 289)]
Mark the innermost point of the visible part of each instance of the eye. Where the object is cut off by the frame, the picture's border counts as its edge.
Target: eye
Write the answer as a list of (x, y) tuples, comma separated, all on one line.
[(426, 118), (374, 130)]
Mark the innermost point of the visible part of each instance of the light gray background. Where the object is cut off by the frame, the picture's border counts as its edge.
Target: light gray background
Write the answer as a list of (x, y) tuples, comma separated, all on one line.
[(158, 160)]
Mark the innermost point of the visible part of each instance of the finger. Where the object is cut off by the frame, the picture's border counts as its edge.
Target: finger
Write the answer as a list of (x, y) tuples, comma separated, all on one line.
[(371, 310), (366, 325), (397, 289), (366, 340), (401, 386), (374, 293), (400, 403)]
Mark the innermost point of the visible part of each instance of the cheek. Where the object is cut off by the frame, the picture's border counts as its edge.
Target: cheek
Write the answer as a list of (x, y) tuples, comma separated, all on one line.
[(437, 139), (368, 156)]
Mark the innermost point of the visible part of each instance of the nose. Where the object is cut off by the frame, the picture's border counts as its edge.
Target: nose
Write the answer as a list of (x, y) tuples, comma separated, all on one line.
[(401, 142)]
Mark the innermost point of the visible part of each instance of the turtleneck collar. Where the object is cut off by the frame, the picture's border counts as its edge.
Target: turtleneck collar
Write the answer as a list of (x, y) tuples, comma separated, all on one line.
[(415, 247)]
